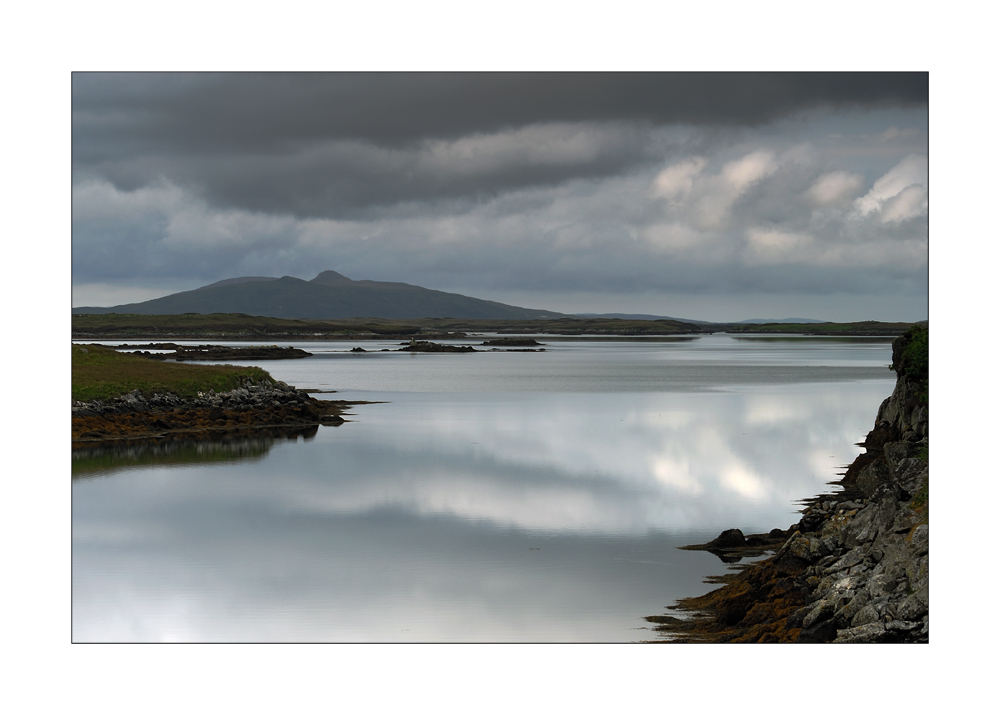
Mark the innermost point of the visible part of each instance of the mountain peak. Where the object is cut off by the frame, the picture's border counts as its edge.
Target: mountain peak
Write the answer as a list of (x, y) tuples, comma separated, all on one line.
[(331, 278)]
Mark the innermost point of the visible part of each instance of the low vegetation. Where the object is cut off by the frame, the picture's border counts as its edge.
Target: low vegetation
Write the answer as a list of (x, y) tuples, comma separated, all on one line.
[(866, 327), (229, 325), (910, 355), (102, 373), (248, 327)]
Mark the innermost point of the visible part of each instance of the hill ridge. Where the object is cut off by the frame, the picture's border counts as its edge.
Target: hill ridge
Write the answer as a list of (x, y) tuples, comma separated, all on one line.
[(330, 295)]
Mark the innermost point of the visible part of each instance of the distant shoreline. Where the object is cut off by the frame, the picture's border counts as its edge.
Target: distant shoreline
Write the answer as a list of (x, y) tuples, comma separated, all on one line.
[(235, 326)]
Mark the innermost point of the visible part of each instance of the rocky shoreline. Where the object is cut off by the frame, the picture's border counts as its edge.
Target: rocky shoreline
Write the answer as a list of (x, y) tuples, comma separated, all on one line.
[(855, 568), (213, 352), (263, 404)]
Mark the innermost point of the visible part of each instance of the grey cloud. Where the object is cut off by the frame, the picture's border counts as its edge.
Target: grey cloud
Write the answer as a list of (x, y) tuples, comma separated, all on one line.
[(349, 178), (257, 110), (324, 144)]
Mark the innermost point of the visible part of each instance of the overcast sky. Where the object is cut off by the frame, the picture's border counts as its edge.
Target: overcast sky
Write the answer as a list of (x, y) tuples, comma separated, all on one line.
[(706, 196)]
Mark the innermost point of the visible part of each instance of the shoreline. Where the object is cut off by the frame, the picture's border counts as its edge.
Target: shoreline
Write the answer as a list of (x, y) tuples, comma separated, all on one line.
[(266, 405), (855, 567)]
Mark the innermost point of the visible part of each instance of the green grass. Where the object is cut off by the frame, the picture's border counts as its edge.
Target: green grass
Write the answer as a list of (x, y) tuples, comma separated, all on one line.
[(911, 357), (102, 373)]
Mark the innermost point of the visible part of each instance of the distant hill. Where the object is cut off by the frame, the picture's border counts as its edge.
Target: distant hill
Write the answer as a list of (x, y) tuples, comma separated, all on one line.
[(641, 316), (644, 316), (327, 296), (759, 321)]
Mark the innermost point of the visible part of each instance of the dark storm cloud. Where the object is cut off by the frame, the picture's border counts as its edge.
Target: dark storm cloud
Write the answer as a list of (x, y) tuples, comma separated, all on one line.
[(268, 111), (332, 144)]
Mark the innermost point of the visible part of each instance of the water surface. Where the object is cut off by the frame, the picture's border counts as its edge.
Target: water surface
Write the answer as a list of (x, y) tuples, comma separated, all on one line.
[(528, 497)]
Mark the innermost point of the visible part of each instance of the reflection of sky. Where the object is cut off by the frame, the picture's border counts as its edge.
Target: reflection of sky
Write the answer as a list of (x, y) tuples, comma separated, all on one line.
[(424, 513), (607, 463)]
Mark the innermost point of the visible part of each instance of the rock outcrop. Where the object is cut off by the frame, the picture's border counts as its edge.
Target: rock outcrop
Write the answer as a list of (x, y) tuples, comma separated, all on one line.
[(216, 352), (855, 568), (264, 404)]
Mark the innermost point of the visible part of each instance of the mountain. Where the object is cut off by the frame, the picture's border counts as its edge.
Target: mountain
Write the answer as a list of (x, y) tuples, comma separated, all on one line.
[(327, 296)]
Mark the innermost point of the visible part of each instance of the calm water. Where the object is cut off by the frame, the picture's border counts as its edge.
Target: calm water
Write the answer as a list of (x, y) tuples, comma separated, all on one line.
[(491, 497)]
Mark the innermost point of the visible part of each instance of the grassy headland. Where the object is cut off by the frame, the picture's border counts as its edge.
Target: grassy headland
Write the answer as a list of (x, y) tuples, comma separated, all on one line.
[(103, 373)]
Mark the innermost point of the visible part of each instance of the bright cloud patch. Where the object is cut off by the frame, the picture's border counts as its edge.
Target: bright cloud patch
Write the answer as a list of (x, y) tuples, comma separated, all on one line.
[(677, 179), (753, 167), (900, 193), (834, 187)]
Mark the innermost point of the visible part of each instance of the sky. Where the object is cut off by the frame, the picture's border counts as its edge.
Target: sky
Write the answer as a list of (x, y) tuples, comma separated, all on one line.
[(711, 196)]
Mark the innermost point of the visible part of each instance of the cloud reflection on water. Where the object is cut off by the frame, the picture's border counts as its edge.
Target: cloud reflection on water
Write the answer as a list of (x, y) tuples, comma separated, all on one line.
[(592, 463)]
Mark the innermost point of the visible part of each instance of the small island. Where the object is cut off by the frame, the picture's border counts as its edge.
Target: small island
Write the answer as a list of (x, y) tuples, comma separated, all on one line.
[(512, 343), (425, 346)]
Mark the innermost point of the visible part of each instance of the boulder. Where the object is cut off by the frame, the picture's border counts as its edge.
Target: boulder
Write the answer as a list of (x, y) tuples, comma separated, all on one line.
[(730, 538)]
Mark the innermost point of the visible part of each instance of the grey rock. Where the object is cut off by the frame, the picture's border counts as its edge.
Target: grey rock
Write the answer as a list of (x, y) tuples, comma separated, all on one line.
[(911, 609), (796, 619), (863, 528), (911, 474), (896, 452), (868, 614), (851, 558), (868, 633), (920, 541), (917, 571), (852, 607), (821, 611)]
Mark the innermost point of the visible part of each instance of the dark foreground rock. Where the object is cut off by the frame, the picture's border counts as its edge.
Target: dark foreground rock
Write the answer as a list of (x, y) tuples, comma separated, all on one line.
[(855, 568), (251, 406)]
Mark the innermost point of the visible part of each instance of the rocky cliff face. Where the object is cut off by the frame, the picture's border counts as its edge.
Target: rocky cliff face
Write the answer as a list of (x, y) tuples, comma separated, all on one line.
[(855, 568), (874, 584)]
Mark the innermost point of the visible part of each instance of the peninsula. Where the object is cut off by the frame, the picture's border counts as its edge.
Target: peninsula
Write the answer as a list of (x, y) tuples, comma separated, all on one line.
[(122, 396)]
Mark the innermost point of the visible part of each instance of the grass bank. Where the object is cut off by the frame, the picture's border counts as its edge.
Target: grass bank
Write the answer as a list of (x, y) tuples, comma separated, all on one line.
[(102, 373)]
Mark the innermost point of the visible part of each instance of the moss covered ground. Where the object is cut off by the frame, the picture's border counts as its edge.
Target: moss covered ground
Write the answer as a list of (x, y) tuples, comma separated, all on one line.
[(103, 373)]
